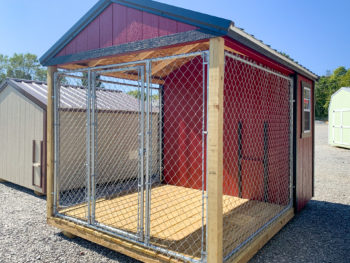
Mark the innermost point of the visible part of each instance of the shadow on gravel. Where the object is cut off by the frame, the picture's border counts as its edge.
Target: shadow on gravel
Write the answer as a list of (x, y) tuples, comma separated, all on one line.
[(108, 253), (320, 233), (23, 190)]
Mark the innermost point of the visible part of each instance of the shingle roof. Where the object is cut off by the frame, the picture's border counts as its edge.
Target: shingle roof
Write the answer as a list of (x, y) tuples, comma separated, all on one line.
[(74, 97)]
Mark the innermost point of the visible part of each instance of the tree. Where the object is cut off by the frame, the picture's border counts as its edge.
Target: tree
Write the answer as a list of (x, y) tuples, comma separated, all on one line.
[(327, 86), (22, 66)]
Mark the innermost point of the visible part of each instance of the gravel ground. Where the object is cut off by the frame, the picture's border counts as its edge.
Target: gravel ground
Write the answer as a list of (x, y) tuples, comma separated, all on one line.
[(320, 233)]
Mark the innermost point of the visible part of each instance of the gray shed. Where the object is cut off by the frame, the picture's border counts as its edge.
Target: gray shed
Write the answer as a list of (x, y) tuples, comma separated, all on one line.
[(23, 132)]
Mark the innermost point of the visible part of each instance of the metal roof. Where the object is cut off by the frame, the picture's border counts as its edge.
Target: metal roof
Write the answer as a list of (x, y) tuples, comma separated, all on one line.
[(74, 97), (207, 23)]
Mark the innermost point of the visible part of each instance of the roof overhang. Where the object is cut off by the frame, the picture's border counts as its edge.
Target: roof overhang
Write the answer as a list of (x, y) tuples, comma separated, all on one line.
[(208, 26)]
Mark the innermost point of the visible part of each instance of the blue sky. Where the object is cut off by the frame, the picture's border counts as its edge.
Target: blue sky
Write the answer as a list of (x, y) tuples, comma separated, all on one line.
[(316, 33)]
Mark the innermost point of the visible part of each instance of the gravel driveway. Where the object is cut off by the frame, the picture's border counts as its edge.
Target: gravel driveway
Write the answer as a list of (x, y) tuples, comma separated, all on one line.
[(320, 233)]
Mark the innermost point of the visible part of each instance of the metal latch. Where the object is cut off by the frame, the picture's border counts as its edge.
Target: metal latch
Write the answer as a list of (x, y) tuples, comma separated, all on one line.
[(36, 165)]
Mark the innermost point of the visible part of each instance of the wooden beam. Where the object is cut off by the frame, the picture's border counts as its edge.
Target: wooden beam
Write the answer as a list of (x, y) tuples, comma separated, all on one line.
[(215, 150), (250, 249), (116, 244), (50, 141), (163, 64)]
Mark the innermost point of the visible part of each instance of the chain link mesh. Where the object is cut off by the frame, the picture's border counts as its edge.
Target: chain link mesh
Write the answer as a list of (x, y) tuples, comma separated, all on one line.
[(257, 147)]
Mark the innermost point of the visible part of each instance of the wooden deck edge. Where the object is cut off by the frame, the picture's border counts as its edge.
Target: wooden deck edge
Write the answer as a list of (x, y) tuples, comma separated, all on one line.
[(250, 249), (108, 241)]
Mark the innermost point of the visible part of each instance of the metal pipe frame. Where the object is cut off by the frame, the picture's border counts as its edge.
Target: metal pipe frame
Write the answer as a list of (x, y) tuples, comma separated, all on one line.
[(255, 65), (148, 153), (56, 143), (88, 148), (143, 236), (141, 157), (93, 146)]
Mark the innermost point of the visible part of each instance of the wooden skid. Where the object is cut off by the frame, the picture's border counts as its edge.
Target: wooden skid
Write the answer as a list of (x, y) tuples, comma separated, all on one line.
[(250, 249), (176, 218)]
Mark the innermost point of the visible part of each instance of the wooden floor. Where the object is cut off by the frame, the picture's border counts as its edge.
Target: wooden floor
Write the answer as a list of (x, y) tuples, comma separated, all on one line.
[(176, 217)]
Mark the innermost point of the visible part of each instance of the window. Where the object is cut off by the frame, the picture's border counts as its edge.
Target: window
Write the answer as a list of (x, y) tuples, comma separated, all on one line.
[(306, 100)]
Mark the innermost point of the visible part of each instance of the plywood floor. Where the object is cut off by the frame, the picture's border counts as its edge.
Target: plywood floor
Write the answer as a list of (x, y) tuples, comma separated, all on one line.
[(176, 217)]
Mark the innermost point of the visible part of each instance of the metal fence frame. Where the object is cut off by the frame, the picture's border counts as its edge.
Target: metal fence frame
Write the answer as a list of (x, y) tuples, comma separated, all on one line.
[(143, 237), (291, 101)]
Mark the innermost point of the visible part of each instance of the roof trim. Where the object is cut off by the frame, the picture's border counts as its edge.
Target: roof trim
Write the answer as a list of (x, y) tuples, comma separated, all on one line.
[(12, 83), (170, 40), (205, 21), (213, 24), (248, 40)]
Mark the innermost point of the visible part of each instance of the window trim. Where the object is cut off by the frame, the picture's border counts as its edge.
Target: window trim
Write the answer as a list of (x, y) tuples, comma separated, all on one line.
[(306, 133)]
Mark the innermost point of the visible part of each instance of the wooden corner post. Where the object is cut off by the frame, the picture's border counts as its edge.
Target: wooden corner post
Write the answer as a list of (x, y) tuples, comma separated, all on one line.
[(215, 150), (50, 141)]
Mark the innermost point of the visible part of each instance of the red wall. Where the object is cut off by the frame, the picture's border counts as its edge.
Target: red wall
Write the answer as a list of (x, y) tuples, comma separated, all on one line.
[(254, 97), (304, 152), (182, 126), (118, 24), (244, 100)]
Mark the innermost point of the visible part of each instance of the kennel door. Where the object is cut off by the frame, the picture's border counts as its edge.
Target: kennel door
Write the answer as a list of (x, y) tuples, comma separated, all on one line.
[(118, 150)]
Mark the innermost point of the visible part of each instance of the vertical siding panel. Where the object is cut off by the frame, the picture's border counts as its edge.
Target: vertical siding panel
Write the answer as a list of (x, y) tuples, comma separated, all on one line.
[(62, 52), (119, 24), (94, 34), (106, 27), (134, 25), (71, 47), (167, 26), (181, 27), (150, 26), (82, 41)]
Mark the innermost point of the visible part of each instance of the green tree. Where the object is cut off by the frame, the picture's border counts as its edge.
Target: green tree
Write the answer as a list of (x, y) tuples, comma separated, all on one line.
[(326, 86), (23, 66)]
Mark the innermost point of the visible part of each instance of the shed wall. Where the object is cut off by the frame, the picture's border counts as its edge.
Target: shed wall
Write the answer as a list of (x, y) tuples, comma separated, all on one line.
[(304, 179), (339, 101), (21, 122)]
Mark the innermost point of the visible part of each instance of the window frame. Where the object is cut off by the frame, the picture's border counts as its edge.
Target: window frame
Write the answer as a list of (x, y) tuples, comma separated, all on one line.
[(306, 133)]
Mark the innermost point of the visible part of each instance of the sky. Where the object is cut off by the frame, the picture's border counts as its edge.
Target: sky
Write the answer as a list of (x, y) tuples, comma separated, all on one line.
[(316, 33)]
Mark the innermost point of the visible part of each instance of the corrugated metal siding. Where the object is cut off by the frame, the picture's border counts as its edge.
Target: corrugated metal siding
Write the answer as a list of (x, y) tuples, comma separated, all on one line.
[(73, 97), (117, 25), (21, 122)]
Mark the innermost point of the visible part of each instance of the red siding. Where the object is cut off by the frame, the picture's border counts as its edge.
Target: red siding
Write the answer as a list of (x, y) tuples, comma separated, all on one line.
[(304, 153), (182, 126), (117, 25)]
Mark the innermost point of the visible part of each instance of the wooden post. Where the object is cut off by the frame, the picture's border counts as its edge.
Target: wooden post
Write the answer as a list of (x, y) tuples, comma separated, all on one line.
[(50, 141), (215, 150)]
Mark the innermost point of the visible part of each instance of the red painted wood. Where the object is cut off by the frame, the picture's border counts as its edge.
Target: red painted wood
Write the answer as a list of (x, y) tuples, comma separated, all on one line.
[(182, 144), (304, 153), (167, 26), (243, 101), (82, 41), (134, 25), (150, 26), (93, 35), (181, 27), (106, 27), (117, 25), (257, 56)]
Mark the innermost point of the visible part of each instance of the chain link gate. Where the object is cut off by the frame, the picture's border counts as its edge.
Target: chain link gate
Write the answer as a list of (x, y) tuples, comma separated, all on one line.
[(130, 151)]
